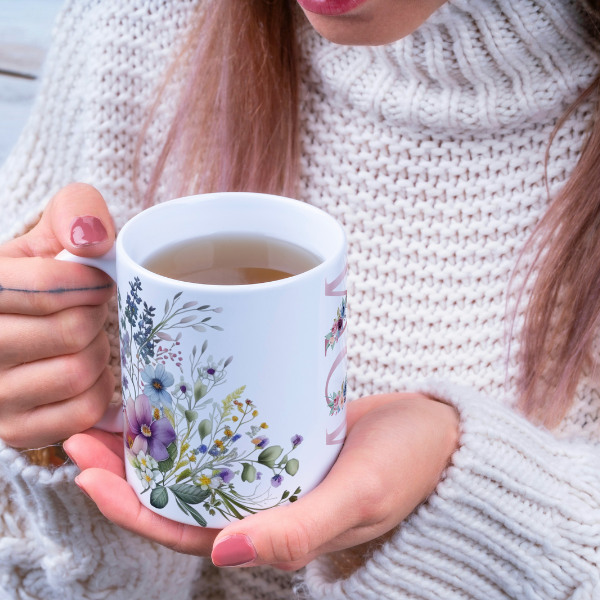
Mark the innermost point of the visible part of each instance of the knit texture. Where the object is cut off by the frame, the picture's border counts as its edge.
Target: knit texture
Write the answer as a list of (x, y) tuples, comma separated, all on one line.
[(430, 152)]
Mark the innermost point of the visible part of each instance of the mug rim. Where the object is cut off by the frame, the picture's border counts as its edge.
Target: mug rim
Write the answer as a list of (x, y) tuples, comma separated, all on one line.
[(123, 255)]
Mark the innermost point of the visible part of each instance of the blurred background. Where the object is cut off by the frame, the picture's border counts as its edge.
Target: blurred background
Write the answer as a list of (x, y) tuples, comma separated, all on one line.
[(25, 36)]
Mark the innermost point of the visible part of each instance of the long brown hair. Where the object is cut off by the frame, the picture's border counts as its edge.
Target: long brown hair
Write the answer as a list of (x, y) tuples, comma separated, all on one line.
[(237, 128)]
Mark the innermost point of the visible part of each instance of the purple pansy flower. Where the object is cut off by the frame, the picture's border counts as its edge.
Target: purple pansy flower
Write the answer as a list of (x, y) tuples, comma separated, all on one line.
[(276, 480), (125, 382), (226, 475), (297, 440), (151, 437), (259, 475)]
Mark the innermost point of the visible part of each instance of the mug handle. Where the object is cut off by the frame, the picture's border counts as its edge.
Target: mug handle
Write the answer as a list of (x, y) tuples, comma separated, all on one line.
[(112, 420)]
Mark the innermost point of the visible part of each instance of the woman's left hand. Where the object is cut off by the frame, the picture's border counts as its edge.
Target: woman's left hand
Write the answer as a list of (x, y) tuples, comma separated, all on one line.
[(396, 449)]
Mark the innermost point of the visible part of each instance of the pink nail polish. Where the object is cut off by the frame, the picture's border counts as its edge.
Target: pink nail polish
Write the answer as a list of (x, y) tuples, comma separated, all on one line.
[(81, 487), (86, 231), (233, 551)]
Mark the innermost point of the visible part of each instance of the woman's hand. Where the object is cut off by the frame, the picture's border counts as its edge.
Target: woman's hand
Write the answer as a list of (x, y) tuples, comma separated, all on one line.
[(54, 378), (397, 447)]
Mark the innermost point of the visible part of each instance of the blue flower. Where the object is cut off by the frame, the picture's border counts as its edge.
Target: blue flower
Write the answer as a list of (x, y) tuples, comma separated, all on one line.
[(201, 449), (276, 480), (236, 437), (343, 310), (125, 382), (157, 380), (214, 451)]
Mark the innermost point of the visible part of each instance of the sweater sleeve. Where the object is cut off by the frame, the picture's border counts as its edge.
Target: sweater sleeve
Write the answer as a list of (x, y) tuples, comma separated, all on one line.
[(55, 544), (517, 515)]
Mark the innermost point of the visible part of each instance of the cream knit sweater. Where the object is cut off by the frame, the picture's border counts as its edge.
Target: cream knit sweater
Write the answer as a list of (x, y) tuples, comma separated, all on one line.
[(430, 151)]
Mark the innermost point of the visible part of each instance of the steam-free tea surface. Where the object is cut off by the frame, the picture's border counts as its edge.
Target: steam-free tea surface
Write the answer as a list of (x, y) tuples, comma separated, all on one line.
[(231, 259)]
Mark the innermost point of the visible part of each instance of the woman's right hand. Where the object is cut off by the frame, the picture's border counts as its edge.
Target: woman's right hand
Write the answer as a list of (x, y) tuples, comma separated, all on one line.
[(54, 353)]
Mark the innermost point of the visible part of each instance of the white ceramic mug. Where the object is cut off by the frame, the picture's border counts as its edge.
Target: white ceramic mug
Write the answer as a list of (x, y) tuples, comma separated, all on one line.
[(234, 397)]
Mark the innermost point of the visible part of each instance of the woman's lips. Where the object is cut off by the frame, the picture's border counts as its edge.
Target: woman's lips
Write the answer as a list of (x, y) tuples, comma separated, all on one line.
[(330, 7)]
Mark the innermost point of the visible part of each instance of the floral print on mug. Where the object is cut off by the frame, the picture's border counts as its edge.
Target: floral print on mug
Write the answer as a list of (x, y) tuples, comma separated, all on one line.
[(338, 327), (177, 455)]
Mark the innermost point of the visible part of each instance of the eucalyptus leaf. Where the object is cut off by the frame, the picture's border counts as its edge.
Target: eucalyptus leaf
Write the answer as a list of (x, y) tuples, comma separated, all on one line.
[(249, 473), (181, 408), (292, 466), (204, 346), (190, 304), (293, 498), (205, 428), (200, 389), (191, 415), (194, 351), (188, 319), (206, 319), (285, 495), (177, 295), (199, 328), (167, 306), (217, 327), (228, 362), (159, 497), (190, 494), (269, 455), (203, 307)]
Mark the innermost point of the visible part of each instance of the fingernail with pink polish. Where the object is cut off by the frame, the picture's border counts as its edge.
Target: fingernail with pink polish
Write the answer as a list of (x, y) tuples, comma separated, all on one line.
[(233, 551), (87, 231), (81, 487)]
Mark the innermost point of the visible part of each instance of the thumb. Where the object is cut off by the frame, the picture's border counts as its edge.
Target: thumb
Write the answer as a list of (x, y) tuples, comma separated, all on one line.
[(76, 219), (291, 533)]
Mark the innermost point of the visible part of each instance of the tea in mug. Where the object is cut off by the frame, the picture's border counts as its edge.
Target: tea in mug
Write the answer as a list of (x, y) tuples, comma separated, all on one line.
[(231, 259)]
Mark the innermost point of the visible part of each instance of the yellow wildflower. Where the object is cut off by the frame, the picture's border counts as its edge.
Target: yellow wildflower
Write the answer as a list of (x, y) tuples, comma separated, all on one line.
[(156, 414), (204, 480), (192, 457), (264, 426), (234, 419), (255, 413), (228, 432), (219, 444)]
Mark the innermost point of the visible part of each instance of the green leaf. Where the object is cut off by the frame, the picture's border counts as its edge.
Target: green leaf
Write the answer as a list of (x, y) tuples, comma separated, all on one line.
[(285, 495), (191, 415), (182, 507), (177, 295), (217, 327), (205, 428), (196, 515), (183, 475), (249, 473), (204, 346), (167, 465), (167, 306), (269, 455), (159, 497), (190, 494), (200, 390), (292, 466), (181, 408), (284, 460), (298, 490), (293, 498)]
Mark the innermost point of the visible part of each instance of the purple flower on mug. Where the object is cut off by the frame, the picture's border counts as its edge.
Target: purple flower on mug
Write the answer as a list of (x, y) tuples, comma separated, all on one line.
[(297, 440), (226, 475), (236, 437), (123, 357), (151, 437), (125, 382), (258, 475), (210, 371), (261, 441), (156, 381), (276, 480)]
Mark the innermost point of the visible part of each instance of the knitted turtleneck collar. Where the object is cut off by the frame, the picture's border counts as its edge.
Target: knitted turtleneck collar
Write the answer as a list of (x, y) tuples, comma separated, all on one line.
[(475, 65)]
